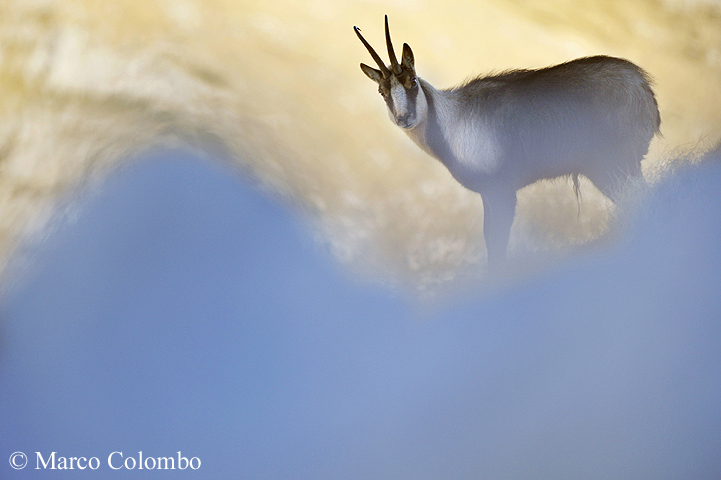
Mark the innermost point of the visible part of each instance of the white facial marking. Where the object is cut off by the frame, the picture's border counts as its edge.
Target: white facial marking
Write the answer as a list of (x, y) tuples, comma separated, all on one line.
[(400, 99)]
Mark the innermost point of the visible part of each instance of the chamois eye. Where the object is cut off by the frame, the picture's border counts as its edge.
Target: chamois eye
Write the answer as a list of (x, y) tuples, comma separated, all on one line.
[(383, 94), (414, 83)]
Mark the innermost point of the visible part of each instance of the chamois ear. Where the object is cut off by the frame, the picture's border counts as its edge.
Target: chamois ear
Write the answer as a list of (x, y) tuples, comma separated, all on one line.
[(372, 73), (407, 58)]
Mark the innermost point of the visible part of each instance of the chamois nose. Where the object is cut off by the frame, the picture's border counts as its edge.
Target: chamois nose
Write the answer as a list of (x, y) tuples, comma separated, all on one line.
[(403, 120)]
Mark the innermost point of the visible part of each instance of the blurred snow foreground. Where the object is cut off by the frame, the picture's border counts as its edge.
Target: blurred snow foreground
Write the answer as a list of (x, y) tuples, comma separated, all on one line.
[(263, 362)]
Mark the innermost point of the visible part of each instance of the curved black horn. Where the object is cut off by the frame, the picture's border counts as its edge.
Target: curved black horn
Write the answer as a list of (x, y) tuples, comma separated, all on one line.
[(376, 57), (391, 54)]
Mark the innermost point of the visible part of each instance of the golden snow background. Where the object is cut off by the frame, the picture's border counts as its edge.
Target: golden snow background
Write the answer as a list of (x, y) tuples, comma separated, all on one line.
[(273, 87)]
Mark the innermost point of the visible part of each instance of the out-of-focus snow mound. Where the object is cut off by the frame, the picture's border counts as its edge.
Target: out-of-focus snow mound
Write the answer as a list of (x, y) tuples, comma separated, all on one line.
[(684, 184), (675, 227), (155, 324)]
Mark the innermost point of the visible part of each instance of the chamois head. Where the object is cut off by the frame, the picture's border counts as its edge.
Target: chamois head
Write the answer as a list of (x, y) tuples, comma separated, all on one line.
[(397, 83)]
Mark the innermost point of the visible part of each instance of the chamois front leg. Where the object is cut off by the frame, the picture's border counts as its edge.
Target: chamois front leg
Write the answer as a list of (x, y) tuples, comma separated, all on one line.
[(499, 208)]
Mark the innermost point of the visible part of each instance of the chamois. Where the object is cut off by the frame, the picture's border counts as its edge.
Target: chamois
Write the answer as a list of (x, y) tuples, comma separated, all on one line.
[(593, 116)]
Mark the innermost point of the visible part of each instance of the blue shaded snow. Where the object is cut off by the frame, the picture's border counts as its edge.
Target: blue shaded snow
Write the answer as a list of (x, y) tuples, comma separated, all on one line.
[(185, 311)]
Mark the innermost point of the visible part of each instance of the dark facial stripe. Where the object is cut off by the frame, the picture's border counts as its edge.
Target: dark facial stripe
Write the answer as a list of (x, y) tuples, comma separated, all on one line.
[(389, 99)]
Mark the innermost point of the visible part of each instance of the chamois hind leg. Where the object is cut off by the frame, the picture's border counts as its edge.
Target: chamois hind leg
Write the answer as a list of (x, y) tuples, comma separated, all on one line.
[(499, 208), (612, 183)]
